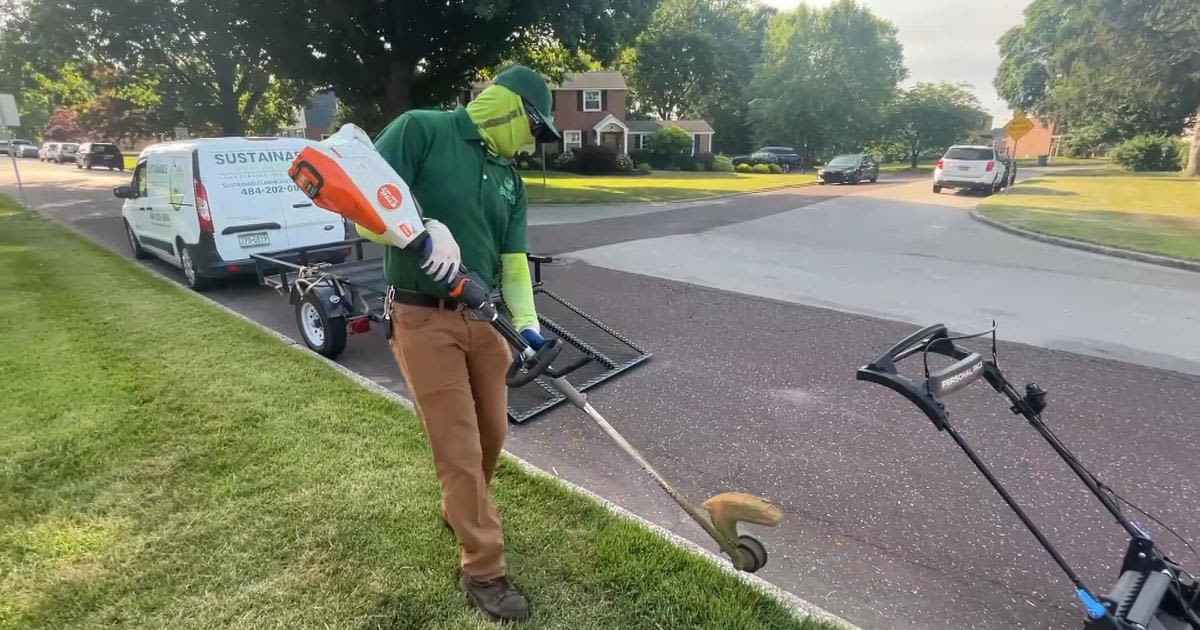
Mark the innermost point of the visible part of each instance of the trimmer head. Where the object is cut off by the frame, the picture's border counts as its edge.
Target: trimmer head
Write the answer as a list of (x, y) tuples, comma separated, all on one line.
[(725, 510)]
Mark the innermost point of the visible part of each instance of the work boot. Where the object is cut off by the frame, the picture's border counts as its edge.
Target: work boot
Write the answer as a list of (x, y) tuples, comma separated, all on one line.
[(496, 598)]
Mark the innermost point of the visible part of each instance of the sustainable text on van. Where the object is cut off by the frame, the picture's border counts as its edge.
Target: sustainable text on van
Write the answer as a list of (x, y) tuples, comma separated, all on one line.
[(254, 157)]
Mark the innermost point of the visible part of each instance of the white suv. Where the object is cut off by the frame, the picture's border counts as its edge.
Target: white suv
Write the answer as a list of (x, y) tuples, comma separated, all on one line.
[(971, 167)]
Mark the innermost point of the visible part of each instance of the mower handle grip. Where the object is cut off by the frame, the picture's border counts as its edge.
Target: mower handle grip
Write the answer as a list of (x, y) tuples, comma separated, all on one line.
[(926, 395)]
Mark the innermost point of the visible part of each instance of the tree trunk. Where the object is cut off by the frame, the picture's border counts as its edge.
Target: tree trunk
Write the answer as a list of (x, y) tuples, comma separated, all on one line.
[(1193, 161), (398, 96), (913, 155), (229, 115)]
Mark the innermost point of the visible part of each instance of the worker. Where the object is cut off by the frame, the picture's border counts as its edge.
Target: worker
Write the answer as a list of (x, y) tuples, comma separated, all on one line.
[(458, 165)]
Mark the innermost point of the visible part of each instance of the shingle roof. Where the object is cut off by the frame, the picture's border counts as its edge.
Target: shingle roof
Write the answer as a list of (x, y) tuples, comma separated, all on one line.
[(650, 126), (601, 80)]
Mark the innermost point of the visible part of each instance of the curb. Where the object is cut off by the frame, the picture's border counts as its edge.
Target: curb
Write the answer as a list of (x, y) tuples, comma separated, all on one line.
[(799, 607), (1115, 252)]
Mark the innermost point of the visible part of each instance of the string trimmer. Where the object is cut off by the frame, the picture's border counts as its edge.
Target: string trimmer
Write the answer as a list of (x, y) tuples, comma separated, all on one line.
[(346, 175)]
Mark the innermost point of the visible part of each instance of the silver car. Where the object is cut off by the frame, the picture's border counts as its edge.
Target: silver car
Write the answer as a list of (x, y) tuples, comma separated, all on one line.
[(62, 152)]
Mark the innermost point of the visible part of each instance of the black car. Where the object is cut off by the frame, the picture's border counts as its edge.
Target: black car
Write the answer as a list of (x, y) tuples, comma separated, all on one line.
[(99, 154), (785, 157), (849, 168)]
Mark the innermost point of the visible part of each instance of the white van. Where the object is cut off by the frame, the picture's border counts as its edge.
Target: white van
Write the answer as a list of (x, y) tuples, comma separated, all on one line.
[(205, 205)]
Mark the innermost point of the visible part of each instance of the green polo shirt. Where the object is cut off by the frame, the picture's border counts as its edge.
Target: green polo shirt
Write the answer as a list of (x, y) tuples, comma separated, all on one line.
[(480, 197)]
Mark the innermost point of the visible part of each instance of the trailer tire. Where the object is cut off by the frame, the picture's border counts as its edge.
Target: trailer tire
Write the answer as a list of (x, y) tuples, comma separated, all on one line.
[(321, 332)]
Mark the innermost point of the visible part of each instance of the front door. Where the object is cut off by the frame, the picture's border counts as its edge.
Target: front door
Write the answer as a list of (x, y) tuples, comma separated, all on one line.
[(614, 139)]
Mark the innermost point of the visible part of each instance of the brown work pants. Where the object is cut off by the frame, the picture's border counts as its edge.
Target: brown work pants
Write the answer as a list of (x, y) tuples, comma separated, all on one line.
[(454, 367)]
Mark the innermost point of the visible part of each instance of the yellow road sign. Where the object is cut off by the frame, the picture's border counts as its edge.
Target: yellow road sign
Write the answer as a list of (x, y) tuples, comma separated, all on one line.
[(1019, 126)]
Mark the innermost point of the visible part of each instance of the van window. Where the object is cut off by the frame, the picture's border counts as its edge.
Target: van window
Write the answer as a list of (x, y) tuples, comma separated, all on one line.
[(969, 153), (139, 179)]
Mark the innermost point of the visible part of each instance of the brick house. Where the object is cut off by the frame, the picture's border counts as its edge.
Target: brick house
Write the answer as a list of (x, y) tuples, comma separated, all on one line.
[(592, 108)]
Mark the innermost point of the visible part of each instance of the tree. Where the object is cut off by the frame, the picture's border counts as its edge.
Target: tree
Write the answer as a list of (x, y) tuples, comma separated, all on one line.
[(695, 60), (932, 116), (669, 145), (211, 59), (383, 57), (63, 125), (825, 77), (1132, 66)]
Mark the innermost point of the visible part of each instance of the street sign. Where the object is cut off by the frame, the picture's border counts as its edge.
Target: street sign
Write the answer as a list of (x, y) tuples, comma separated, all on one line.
[(8, 111), (1019, 126)]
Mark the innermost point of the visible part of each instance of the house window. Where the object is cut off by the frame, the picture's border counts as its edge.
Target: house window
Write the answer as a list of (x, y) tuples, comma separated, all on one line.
[(591, 100), (637, 140), (572, 138)]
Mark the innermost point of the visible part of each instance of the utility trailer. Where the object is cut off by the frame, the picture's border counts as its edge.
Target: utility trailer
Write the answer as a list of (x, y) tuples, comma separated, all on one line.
[(335, 300)]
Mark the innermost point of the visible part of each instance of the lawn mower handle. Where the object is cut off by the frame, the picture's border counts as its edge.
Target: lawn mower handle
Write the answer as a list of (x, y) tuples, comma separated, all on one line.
[(926, 395)]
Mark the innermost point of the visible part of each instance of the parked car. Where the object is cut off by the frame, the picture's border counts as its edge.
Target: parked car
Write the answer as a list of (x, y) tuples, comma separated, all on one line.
[(65, 152), (27, 151), (971, 167), (7, 145), (785, 157), (45, 150), (91, 154), (206, 205), (849, 168)]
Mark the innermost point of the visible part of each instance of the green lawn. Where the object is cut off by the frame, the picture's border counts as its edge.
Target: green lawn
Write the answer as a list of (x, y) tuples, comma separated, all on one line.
[(166, 465), (1154, 213), (905, 167), (658, 186), (8, 205), (130, 161), (1064, 161)]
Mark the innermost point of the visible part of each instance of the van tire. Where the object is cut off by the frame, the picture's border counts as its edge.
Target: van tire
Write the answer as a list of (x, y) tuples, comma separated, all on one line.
[(191, 275), (322, 333), (134, 245)]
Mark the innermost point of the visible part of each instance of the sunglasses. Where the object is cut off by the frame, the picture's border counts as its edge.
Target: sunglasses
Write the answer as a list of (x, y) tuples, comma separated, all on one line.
[(536, 124)]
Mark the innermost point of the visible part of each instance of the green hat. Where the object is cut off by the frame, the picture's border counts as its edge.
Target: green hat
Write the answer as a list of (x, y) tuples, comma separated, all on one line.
[(532, 88)]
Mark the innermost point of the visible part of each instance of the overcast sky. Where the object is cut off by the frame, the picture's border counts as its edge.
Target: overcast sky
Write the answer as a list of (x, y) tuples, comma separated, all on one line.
[(948, 40)]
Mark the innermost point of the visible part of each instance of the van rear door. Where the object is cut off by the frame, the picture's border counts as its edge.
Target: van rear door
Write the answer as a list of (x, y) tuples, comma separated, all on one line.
[(255, 206)]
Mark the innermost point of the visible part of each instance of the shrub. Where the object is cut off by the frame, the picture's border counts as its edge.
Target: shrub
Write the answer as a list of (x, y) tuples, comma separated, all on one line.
[(670, 145), (762, 168), (1149, 153), (565, 161), (595, 158), (641, 156), (704, 161), (624, 164), (535, 163), (644, 168), (722, 164), (744, 168), (775, 169)]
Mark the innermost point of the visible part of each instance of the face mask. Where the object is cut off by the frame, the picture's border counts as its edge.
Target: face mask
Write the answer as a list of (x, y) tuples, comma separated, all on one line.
[(500, 116)]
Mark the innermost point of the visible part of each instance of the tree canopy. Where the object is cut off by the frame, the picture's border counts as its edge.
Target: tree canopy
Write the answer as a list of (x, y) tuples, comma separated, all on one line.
[(1122, 67), (824, 77), (383, 57), (932, 116), (695, 60)]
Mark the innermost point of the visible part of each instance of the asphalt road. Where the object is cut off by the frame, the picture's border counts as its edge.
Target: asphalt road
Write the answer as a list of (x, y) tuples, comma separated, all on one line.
[(886, 522)]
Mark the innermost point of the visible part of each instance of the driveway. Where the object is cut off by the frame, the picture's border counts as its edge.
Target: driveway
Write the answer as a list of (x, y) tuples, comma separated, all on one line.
[(759, 308)]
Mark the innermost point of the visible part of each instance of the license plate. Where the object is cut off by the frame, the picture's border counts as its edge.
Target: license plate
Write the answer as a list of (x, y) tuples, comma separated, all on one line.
[(254, 239), (964, 168)]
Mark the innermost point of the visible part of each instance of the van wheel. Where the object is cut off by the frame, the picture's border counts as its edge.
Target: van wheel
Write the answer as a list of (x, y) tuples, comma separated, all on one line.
[(134, 245), (191, 275), (936, 189), (322, 333)]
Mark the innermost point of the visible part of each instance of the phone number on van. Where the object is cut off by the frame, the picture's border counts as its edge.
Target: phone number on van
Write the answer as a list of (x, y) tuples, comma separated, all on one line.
[(269, 190)]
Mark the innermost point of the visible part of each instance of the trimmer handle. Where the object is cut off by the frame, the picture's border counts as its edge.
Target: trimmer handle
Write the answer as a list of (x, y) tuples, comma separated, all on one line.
[(526, 368)]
